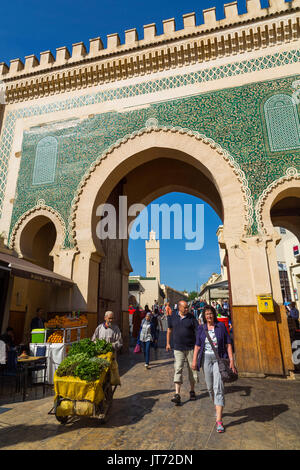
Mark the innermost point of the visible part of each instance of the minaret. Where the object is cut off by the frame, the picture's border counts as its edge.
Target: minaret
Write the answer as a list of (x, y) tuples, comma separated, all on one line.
[(152, 257)]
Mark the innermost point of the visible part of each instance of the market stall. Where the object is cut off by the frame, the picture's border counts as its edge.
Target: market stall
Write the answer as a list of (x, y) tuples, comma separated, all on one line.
[(55, 339)]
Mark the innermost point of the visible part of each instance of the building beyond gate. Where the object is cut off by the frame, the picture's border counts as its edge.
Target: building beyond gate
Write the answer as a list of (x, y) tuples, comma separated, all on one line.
[(214, 107)]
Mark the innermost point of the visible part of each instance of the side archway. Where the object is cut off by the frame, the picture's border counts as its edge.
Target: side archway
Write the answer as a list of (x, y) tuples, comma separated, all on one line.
[(284, 188), (41, 217)]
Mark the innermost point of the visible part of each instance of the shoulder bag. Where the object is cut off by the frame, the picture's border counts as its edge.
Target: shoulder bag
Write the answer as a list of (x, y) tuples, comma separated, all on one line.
[(227, 374)]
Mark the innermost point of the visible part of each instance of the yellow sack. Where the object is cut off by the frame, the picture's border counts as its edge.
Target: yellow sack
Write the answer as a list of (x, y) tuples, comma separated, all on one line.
[(114, 368), (114, 373), (74, 388), (65, 408), (84, 408)]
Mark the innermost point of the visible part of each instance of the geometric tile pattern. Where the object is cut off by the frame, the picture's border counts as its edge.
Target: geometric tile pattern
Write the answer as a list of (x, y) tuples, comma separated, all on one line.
[(234, 118), (282, 122), (45, 161)]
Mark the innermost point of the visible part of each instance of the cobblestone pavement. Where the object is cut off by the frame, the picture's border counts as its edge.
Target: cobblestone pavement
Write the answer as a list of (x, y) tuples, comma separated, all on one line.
[(259, 414)]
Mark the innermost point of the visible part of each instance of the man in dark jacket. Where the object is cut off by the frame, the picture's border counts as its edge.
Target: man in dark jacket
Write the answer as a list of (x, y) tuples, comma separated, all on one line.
[(183, 326), (38, 321)]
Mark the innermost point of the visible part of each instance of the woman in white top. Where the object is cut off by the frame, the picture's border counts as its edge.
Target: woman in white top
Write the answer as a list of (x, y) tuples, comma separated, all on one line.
[(204, 356), (146, 337)]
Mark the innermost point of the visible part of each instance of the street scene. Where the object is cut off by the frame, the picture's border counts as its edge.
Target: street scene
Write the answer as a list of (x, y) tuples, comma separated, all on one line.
[(259, 414), (150, 227)]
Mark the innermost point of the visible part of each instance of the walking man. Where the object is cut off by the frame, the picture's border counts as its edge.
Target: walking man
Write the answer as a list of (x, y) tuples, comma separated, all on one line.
[(184, 327)]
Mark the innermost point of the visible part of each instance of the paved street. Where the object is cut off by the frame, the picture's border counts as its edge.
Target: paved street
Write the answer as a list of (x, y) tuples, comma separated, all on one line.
[(259, 414)]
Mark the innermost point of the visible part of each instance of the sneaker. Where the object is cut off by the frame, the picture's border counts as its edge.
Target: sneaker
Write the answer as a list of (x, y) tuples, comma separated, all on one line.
[(147, 366), (220, 427), (192, 395), (176, 399)]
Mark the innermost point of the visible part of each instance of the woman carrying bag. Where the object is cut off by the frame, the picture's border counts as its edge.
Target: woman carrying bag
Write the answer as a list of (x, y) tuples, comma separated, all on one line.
[(146, 337), (213, 347)]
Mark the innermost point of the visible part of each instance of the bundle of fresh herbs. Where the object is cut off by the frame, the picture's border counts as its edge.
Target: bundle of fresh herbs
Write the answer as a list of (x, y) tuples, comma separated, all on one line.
[(82, 360), (103, 347), (85, 346), (82, 366)]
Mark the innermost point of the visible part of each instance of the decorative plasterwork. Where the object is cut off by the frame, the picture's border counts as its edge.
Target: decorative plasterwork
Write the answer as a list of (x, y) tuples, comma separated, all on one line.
[(151, 127), (143, 88), (40, 209), (291, 174), (173, 49)]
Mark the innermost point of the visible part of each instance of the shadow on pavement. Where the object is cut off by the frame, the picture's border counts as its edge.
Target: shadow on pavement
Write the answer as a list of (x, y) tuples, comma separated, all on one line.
[(260, 414), (125, 411), (131, 409), (161, 364), (230, 389), (238, 388)]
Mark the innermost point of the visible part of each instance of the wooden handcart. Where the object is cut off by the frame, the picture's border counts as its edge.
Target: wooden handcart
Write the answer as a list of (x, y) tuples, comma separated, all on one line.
[(75, 397)]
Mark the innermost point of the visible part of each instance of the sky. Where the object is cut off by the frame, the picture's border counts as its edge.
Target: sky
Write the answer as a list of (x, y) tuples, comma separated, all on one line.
[(31, 26), (180, 268)]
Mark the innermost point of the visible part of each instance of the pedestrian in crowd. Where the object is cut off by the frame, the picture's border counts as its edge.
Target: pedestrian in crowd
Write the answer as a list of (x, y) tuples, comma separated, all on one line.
[(155, 307), (204, 357), (146, 337), (38, 321), (157, 326), (136, 322), (168, 309), (218, 308), (294, 313), (200, 320), (225, 307), (109, 331), (147, 309), (183, 326), (9, 338)]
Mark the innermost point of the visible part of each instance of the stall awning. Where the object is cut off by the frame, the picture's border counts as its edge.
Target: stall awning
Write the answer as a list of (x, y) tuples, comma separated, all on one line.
[(21, 268), (223, 285)]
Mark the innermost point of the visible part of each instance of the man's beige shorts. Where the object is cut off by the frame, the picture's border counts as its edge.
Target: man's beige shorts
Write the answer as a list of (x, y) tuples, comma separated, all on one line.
[(180, 357)]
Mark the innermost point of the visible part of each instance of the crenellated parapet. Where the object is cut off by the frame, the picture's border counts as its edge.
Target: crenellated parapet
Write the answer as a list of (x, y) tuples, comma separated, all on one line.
[(235, 33)]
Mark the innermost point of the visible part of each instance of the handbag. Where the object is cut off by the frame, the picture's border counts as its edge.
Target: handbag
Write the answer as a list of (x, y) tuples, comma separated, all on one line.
[(137, 349), (227, 374)]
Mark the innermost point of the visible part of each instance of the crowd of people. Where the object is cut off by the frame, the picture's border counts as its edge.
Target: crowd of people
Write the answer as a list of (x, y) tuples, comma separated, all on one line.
[(188, 329)]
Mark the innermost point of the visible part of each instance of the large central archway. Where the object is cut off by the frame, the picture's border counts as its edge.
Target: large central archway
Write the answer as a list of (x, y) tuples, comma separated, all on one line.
[(202, 155), (149, 164)]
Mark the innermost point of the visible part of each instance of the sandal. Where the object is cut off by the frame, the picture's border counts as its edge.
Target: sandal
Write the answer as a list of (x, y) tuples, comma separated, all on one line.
[(220, 427)]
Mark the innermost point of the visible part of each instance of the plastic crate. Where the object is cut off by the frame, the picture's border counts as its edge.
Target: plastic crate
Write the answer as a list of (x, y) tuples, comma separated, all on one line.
[(38, 336)]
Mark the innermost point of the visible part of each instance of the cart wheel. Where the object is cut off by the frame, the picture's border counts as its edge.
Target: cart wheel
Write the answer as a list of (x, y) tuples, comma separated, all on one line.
[(62, 419)]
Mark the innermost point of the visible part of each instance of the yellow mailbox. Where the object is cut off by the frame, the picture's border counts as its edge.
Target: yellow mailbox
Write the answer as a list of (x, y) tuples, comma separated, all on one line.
[(265, 304)]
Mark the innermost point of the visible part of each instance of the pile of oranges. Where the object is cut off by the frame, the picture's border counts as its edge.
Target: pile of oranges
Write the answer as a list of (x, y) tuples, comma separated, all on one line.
[(65, 322), (56, 337)]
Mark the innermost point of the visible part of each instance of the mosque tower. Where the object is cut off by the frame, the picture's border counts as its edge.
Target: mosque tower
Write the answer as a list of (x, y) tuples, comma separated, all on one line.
[(152, 257)]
